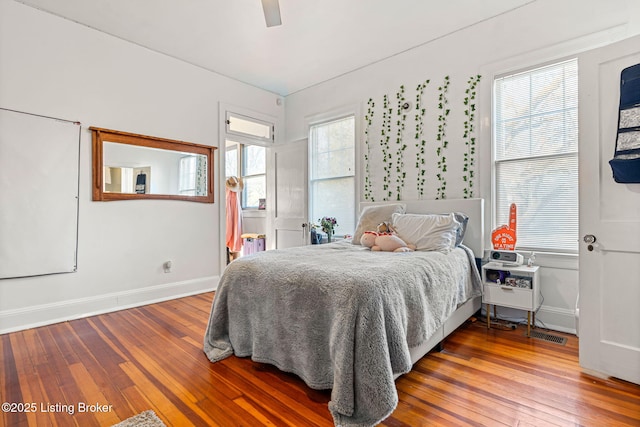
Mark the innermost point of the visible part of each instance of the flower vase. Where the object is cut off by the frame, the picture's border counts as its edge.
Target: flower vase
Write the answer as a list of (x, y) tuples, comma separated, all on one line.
[(329, 236)]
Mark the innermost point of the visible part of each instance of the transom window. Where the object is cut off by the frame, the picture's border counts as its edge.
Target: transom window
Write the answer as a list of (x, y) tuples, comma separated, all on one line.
[(249, 127)]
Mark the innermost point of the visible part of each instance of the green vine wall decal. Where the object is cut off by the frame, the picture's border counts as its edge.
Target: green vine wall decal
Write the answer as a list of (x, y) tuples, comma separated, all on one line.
[(387, 113), (469, 140), (401, 174), (421, 142), (368, 194), (441, 138), (385, 167)]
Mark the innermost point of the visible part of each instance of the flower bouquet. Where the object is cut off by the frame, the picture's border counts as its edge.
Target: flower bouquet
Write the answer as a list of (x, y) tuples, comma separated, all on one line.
[(328, 225)]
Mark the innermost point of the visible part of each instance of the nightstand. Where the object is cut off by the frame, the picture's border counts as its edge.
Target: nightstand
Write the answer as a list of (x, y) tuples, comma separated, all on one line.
[(515, 286)]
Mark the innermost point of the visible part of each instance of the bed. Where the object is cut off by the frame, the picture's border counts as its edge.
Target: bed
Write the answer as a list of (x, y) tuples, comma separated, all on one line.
[(345, 318)]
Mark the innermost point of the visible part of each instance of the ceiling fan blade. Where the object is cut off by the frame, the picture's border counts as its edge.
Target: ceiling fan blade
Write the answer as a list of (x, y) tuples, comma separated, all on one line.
[(271, 12)]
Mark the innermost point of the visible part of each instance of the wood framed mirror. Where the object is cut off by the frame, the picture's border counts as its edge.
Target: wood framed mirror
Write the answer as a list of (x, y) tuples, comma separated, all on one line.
[(128, 166)]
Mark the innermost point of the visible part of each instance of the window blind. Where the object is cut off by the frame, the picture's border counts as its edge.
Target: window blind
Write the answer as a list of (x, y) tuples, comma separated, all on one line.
[(535, 145), (332, 173)]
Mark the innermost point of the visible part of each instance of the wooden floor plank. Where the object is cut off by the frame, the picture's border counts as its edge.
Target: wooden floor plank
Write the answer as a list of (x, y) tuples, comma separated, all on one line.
[(151, 358)]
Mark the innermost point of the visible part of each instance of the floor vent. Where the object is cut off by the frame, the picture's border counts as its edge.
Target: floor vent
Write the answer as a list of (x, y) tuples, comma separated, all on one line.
[(548, 337)]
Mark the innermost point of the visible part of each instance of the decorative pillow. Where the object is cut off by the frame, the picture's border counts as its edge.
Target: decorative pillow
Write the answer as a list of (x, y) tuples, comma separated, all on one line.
[(427, 232), (371, 216), (463, 219)]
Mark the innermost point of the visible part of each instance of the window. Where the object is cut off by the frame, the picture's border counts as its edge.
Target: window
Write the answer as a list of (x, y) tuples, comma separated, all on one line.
[(332, 173), (535, 142), (247, 140), (249, 163), (192, 180), (231, 160), (254, 169), (249, 127)]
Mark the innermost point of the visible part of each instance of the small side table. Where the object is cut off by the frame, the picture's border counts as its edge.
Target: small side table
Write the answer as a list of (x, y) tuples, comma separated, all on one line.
[(515, 286)]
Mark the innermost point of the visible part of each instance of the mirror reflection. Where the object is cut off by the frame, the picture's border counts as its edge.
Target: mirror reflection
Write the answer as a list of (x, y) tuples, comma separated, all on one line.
[(130, 166), (143, 170)]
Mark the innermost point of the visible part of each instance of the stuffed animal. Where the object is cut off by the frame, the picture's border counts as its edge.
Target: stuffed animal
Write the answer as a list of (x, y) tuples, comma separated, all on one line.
[(368, 238), (385, 227), (384, 241)]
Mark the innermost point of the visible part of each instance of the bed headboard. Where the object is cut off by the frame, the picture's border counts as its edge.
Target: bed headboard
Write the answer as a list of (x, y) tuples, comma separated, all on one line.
[(474, 208)]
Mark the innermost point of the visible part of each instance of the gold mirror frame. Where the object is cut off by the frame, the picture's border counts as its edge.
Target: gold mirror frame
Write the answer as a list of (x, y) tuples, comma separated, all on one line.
[(100, 136)]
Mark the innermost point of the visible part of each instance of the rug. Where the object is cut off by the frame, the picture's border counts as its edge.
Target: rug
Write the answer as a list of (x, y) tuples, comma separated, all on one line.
[(143, 419)]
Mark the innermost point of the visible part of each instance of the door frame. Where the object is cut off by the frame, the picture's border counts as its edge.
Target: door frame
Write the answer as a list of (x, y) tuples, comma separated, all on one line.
[(221, 152)]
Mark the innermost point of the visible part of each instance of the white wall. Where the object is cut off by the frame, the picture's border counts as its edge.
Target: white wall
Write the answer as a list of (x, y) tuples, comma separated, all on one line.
[(57, 68), (54, 67), (536, 33)]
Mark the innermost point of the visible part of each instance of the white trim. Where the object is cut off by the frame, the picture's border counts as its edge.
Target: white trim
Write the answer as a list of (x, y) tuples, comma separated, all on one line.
[(557, 319), (547, 317), (254, 213), (562, 261), (223, 108), (47, 314), (246, 136), (335, 114)]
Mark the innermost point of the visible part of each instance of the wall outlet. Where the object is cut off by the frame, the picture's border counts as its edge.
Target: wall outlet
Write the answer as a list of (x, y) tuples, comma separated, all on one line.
[(167, 266)]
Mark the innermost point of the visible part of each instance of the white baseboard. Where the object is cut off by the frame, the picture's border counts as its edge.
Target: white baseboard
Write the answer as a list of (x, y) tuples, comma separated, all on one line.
[(557, 319), (553, 318), (47, 314)]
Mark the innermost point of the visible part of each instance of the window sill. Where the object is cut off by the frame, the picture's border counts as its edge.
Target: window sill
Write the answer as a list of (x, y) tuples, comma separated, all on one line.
[(254, 213), (563, 261)]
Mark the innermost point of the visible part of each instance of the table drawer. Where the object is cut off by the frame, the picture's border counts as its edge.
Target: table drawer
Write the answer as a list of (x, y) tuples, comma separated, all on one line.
[(508, 296)]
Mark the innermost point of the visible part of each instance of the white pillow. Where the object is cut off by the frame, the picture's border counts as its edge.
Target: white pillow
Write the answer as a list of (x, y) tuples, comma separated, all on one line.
[(371, 216), (427, 232)]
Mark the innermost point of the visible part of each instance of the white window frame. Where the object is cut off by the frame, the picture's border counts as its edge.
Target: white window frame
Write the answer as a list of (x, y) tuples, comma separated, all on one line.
[(187, 178), (244, 175), (495, 161), (239, 147), (230, 115), (242, 139), (326, 119), (232, 146)]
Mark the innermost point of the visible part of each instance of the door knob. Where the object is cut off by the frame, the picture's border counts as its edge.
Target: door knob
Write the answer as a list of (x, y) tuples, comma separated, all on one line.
[(589, 239)]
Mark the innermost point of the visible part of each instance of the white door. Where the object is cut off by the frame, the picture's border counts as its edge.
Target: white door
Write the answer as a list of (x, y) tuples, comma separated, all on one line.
[(290, 203), (609, 322)]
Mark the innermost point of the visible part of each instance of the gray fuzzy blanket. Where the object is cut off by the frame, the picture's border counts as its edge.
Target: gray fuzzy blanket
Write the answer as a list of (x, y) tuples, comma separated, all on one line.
[(339, 316)]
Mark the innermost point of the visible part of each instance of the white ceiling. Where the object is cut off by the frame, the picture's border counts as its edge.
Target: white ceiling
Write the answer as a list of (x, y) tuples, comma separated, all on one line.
[(317, 41)]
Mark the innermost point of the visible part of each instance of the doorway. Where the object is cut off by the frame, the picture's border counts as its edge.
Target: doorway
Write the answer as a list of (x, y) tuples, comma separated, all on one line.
[(247, 142), (245, 197)]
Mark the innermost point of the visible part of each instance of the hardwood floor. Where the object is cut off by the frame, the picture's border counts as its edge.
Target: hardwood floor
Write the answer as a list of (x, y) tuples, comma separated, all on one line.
[(151, 357)]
